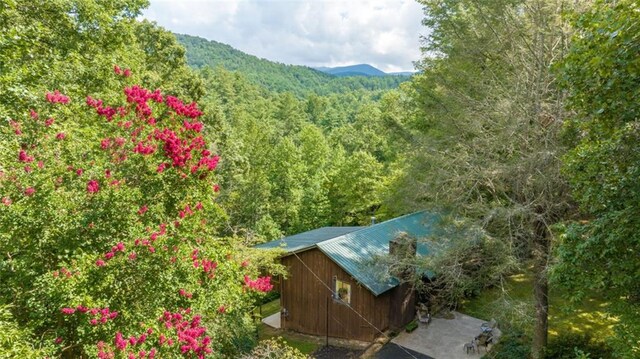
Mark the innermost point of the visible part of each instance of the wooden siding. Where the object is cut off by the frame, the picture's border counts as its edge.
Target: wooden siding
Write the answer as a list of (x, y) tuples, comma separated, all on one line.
[(309, 302), (402, 307)]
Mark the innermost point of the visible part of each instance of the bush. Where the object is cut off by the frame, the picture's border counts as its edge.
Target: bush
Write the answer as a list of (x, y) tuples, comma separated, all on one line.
[(511, 346), (274, 349), (567, 345)]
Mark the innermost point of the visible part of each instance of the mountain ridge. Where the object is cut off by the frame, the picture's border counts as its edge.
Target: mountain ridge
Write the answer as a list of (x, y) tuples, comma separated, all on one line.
[(299, 80)]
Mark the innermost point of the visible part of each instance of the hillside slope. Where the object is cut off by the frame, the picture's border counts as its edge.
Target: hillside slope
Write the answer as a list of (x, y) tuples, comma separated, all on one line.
[(300, 80)]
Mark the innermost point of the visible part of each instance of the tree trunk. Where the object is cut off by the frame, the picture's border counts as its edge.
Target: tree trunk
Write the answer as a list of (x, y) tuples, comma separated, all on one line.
[(541, 290), (541, 296)]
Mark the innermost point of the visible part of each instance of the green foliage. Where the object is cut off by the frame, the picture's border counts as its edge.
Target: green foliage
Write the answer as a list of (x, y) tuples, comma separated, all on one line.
[(72, 46), (601, 74), (17, 342), (464, 262), (274, 349), (299, 80), (283, 171), (514, 344), (603, 165), (569, 345)]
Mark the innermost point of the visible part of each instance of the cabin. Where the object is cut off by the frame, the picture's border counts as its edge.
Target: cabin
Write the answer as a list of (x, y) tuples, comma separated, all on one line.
[(335, 288)]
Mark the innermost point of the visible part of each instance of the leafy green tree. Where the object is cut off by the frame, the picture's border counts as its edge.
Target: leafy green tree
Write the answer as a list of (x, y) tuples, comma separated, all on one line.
[(72, 46), (601, 74), (355, 184)]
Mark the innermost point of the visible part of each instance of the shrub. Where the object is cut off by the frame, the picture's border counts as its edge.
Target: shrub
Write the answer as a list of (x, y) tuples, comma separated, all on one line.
[(274, 349), (567, 345), (511, 346)]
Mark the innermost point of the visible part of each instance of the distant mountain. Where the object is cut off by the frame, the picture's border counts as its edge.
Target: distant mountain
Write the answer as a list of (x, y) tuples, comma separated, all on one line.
[(300, 80), (360, 70), (353, 70)]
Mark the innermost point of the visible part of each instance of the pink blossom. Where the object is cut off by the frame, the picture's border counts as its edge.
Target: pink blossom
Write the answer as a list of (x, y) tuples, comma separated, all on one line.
[(33, 114), (40, 164), (67, 311), (48, 122), (93, 186), (132, 255), (105, 143), (58, 340), (57, 97), (79, 171), (143, 210), (100, 263), (261, 284), (29, 191), (117, 70), (23, 157), (221, 309), (28, 169), (120, 342), (126, 73), (6, 201), (60, 136)]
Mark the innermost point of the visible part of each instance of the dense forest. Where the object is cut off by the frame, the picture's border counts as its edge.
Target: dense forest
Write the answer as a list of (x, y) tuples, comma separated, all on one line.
[(138, 167)]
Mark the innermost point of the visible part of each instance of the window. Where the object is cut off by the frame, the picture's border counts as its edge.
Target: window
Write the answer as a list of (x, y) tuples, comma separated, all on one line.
[(342, 290)]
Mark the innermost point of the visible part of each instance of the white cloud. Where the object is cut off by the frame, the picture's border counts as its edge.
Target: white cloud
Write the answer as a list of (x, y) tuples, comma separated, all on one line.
[(383, 33)]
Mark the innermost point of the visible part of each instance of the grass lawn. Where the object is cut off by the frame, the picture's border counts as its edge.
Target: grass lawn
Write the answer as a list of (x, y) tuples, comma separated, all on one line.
[(300, 342), (587, 317)]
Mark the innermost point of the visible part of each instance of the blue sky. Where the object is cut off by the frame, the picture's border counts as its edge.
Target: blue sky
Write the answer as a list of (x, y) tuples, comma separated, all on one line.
[(383, 33)]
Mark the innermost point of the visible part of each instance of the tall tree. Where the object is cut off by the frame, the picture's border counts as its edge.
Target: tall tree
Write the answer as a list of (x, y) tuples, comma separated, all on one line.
[(490, 118), (600, 251)]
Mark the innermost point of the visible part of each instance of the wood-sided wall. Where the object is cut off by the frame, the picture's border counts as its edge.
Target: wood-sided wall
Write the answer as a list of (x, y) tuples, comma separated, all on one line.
[(307, 300)]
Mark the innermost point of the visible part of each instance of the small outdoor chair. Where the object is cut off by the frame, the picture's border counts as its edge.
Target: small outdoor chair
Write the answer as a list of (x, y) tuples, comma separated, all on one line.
[(488, 327), (424, 318), (470, 347)]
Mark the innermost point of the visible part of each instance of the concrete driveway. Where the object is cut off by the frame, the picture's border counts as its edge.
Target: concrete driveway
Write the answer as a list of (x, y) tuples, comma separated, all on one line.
[(445, 338)]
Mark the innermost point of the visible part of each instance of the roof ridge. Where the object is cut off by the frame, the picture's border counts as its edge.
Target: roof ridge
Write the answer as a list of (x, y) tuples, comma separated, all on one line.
[(371, 227)]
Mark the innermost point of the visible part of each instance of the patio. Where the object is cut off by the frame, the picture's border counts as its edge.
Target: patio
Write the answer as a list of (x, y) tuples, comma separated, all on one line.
[(445, 338), (273, 320)]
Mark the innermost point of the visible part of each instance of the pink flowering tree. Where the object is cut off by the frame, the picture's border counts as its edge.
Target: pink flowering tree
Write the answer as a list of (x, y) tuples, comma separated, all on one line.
[(110, 231)]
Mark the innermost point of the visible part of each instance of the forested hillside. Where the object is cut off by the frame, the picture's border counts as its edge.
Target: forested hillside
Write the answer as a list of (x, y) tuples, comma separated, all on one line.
[(289, 164), (299, 80)]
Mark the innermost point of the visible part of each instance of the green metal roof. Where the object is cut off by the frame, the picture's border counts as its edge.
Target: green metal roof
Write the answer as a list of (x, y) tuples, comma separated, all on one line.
[(354, 251), (306, 240), (353, 248)]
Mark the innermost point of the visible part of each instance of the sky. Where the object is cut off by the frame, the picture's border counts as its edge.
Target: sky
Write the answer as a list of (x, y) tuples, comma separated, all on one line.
[(382, 33)]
